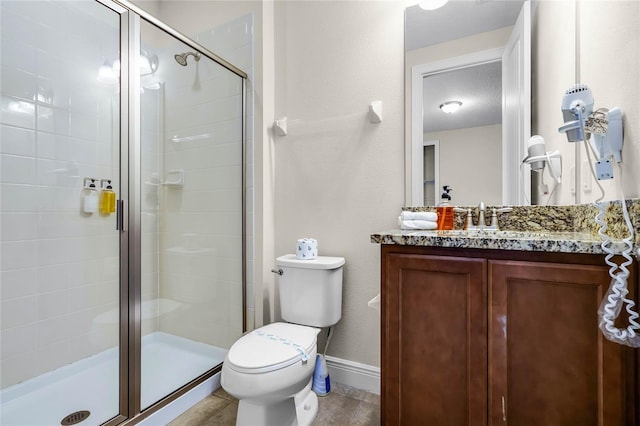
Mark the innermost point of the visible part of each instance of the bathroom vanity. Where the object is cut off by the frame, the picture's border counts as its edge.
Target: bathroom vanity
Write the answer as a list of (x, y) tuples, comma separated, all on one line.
[(497, 329)]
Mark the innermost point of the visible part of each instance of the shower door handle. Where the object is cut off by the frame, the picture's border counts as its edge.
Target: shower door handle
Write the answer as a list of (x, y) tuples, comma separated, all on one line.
[(121, 222)]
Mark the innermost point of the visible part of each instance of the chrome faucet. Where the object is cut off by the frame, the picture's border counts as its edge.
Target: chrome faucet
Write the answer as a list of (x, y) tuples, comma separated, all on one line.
[(482, 222), (481, 219), (494, 218)]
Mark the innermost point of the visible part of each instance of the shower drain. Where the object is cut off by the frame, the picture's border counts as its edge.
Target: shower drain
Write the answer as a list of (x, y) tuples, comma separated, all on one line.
[(75, 418)]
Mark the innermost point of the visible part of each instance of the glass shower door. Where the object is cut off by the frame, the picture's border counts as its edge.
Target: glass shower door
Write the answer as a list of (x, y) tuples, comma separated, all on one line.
[(59, 261), (191, 192)]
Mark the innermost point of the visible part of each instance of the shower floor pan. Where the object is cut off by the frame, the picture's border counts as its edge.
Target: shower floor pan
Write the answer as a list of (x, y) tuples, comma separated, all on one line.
[(91, 384)]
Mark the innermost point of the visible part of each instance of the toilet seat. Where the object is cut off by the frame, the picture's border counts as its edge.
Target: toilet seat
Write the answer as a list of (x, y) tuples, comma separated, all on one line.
[(272, 347)]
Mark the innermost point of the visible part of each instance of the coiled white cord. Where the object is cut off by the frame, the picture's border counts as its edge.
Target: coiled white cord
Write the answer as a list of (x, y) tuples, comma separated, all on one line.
[(615, 297)]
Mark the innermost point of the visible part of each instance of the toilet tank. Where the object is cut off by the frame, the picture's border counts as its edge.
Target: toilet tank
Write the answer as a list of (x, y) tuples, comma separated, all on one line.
[(311, 290)]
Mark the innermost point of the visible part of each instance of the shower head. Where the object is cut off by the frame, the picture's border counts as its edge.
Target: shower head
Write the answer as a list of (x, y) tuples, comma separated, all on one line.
[(181, 58)]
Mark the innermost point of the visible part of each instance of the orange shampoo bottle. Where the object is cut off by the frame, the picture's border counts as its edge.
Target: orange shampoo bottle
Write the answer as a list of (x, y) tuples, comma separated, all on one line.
[(445, 210)]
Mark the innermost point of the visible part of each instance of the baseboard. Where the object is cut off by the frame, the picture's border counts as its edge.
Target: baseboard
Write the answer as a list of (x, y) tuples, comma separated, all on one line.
[(355, 374)]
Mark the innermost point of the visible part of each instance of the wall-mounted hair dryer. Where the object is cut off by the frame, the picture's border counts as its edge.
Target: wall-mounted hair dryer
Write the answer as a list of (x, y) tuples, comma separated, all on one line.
[(537, 157), (581, 122), (577, 106)]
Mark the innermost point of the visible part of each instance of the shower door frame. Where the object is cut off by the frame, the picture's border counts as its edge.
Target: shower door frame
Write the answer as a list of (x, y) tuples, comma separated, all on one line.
[(129, 211)]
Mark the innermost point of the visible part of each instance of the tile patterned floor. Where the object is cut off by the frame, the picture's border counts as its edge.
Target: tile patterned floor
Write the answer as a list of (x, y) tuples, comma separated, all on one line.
[(343, 406)]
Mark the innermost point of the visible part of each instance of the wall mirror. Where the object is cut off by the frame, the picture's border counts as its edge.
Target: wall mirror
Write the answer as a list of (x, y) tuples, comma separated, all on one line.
[(475, 54)]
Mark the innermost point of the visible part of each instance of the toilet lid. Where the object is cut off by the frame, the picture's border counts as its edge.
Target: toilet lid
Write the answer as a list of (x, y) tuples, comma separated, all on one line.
[(272, 347)]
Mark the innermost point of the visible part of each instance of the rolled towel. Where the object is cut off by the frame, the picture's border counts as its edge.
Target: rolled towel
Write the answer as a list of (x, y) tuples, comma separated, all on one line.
[(429, 216), (418, 224)]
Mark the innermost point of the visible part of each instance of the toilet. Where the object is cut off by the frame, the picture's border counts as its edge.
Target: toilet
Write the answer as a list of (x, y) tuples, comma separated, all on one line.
[(270, 369)]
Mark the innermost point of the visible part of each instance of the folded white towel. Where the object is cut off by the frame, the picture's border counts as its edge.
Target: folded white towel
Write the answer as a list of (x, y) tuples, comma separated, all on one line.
[(430, 216), (418, 224)]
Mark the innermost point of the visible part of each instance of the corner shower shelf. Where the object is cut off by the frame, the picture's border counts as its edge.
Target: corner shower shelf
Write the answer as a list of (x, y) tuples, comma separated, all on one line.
[(175, 178)]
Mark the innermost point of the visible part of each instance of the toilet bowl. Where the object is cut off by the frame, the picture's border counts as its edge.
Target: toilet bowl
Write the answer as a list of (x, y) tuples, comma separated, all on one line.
[(270, 369)]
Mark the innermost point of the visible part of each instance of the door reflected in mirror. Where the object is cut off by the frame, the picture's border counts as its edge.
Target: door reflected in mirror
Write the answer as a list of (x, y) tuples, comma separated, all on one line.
[(469, 139)]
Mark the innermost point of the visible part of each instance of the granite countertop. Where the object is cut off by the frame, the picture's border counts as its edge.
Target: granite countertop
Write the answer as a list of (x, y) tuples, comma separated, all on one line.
[(560, 242), (561, 229)]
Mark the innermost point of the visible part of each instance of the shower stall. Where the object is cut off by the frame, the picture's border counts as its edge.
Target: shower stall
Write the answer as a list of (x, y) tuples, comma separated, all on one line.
[(122, 212)]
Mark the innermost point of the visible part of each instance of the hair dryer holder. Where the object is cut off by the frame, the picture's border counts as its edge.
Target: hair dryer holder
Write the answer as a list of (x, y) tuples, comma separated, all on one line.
[(553, 159), (602, 129)]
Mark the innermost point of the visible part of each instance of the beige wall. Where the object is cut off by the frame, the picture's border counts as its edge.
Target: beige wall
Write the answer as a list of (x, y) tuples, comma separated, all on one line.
[(339, 177), (609, 60), (471, 164), (459, 47)]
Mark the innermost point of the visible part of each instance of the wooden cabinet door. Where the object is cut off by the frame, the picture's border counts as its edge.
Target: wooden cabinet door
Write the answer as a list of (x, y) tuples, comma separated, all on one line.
[(548, 361), (434, 340)]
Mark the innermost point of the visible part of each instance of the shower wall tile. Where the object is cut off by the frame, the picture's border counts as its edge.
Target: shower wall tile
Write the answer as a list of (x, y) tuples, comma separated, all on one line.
[(53, 330), (20, 84), (222, 223), (205, 200), (18, 283), (53, 120), (17, 112), (52, 146), (54, 278), (83, 152), (18, 254), (203, 136), (18, 312), (61, 200), (22, 56), (206, 157), (229, 270), (53, 84), (59, 266), (18, 340), (81, 100), (215, 178), (83, 126), (19, 226), (15, 26), (211, 111), (19, 198), (17, 141), (51, 305), (54, 355), (242, 57), (17, 169), (53, 93), (18, 368), (55, 173)]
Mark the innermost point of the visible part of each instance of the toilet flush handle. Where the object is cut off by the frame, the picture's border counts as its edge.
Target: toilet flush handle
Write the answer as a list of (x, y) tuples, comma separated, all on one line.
[(277, 271)]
